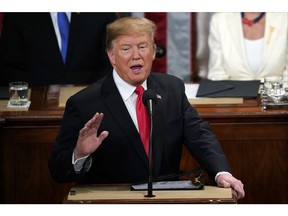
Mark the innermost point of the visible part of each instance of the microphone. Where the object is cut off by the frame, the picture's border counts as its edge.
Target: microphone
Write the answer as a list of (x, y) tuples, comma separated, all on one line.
[(149, 99)]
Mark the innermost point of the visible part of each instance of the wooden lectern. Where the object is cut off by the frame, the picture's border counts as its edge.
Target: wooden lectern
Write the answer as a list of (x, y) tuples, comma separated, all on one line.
[(121, 194)]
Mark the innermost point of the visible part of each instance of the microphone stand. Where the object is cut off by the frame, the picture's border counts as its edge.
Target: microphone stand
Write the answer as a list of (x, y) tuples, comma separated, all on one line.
[(150, 181)]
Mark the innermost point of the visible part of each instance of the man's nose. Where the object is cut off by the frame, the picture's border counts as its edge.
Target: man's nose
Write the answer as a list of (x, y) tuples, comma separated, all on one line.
[(135, 53)]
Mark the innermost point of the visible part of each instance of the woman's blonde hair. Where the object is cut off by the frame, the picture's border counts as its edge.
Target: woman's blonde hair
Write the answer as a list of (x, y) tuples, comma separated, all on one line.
[(129, 26)]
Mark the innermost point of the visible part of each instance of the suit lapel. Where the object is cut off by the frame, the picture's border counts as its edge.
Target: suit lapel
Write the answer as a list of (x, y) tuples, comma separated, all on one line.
[(118, 110), (48, 38), (237, 35), (73, 33), (272, 29)]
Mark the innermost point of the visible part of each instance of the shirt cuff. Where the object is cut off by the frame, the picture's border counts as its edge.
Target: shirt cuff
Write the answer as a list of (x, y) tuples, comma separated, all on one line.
[(219, 173), (79, 163)]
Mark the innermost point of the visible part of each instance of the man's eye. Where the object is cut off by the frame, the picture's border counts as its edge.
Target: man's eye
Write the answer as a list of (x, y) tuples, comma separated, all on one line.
[(125, 49), (142, 47)]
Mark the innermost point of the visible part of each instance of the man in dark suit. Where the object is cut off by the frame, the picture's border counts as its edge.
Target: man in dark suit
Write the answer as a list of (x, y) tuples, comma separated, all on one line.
[(30, 50), (106, 147)]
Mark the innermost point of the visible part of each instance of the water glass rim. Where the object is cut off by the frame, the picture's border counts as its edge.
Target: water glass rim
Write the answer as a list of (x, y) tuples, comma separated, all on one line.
[(18, 83)]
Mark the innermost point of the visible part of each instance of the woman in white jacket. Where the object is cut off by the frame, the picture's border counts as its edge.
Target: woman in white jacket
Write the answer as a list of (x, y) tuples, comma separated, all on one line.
[(248, 46)]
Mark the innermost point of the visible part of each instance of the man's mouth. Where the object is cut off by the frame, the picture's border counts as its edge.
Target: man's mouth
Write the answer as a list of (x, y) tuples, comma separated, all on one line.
[(136, 68)]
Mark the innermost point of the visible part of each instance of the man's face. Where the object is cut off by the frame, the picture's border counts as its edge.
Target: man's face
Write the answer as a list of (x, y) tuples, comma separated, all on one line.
[(132, 57)]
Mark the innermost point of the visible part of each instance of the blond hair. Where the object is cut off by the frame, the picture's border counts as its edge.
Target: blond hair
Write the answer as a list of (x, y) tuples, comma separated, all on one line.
[(129, 26)]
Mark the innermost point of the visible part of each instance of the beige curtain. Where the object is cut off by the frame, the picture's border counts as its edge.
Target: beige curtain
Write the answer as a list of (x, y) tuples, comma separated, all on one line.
[(202, 53)]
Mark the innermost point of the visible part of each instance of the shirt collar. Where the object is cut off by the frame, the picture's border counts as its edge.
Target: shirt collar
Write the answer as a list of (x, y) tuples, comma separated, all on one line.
[(125, 89)]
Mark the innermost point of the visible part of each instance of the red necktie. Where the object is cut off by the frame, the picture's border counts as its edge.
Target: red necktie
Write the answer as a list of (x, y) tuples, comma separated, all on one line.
[(142, 118)]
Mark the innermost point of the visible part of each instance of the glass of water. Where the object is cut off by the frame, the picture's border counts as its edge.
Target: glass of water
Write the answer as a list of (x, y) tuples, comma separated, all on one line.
[(18, 92)]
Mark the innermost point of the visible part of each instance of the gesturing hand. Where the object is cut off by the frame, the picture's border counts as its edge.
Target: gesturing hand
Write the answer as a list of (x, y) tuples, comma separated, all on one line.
[(88, 141)]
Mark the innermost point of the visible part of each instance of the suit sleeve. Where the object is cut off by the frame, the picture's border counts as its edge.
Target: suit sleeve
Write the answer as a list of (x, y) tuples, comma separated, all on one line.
[(60, 161), (202, 142)]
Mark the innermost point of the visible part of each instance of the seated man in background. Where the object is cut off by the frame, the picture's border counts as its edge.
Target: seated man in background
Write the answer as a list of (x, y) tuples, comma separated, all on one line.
[(248, 46), (100, 140), (31, 46)]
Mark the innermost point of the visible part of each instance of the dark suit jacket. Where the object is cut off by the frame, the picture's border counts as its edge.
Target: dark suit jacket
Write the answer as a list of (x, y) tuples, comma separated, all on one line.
[(121, 157), (29, 50)]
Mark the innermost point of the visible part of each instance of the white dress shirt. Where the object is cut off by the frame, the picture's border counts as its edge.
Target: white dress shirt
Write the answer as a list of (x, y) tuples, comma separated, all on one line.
[(128, 95), (254, 53)]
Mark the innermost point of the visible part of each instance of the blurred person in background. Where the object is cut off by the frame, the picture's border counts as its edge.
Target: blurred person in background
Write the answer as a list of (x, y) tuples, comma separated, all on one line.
[(248, 46), (30, 48)]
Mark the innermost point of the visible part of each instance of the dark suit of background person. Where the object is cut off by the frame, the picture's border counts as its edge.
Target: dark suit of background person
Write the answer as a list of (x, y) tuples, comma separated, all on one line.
[(30, 51)]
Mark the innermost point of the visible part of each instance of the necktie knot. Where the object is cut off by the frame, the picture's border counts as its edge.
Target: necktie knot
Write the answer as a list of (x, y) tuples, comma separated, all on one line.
[(139, 90)]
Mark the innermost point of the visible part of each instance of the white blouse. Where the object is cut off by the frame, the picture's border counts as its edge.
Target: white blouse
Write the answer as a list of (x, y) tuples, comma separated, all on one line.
[(254, 53)]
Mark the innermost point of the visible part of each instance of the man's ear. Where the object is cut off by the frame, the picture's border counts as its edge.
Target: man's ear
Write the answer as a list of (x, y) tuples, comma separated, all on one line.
[(154, 51), (111, 56)]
